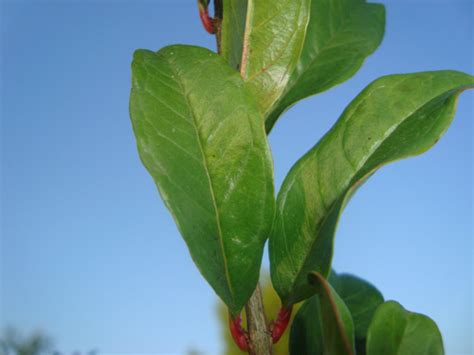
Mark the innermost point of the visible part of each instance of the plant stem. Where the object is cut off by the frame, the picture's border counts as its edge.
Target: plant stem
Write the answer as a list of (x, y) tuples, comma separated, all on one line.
[(259, 336), (218, 12)]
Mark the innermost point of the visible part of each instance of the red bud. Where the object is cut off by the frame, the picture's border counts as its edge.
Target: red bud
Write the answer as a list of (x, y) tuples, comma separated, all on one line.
[(280, 324), (239, 334), (207, 22)]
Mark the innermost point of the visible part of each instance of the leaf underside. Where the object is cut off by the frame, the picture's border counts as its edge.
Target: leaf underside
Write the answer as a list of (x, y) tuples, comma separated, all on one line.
[(273, 40), (340, 35), (395, 117)]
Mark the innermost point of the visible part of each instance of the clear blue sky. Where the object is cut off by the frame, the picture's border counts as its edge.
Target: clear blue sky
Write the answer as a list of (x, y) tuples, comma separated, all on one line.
[(90, 254)]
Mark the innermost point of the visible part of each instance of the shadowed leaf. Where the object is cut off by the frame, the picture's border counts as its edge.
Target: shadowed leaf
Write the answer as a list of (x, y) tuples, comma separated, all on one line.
[(323, 325), (233, 28), (362, 299)]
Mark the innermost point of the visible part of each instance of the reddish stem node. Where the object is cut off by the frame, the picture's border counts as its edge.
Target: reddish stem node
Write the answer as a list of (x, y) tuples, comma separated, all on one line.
[(280, 324), (238, 333), (206, 20)]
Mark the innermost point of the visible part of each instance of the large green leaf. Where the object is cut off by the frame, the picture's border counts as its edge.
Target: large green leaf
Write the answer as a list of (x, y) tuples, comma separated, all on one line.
[(362, 299), (273, 40), (323, 325), (201, 137), (396, 331), (396, 116), (340, 35), (233, 28)]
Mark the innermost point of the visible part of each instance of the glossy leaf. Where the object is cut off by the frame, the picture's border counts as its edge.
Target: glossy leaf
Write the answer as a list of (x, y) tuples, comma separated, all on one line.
[(362, 299), (233, 28), (273, 40), (323, 325), (340, 35), (394, 331), (201, 137), (395, 117)]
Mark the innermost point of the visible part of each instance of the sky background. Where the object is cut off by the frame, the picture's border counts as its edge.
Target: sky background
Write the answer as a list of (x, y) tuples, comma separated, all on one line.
[(90, 254)]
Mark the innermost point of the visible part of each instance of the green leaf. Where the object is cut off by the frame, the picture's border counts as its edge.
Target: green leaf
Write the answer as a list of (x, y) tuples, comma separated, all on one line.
[(340, 35), (395, 117), (273, 41), (394, 330), (323, 325), (362, 299), (306, 334), (201, 137), (233, 28)]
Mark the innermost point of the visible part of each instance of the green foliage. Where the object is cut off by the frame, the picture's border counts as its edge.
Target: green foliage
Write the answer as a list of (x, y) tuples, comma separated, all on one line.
[(351, 295), (395, 117), (200, 121), (210, 160), (233, 27), (306, 335), (362, 299), (340, 35), (394, 330), (267, 62), (324, 323)]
